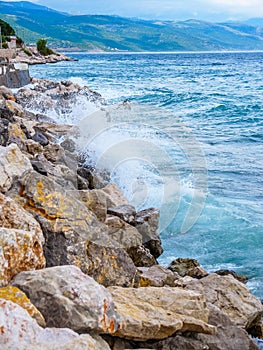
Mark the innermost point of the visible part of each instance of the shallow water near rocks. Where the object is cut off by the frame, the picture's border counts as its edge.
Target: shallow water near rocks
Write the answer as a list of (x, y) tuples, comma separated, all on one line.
[(189, 142)]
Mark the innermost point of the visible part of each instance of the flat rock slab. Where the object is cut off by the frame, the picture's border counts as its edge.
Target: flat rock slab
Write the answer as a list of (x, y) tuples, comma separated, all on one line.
[(157, 313), (68, 298)]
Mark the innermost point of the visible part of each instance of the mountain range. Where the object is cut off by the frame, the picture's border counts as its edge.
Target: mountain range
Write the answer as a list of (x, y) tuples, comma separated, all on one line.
[(113, 33)]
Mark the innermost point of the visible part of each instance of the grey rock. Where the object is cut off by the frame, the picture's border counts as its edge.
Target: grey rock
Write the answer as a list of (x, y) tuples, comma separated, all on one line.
[(126, 212), (187, 267), (147, 222), (67, 298)]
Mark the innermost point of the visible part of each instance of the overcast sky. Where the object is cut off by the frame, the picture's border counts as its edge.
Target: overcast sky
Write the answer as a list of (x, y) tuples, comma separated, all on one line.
[(214, 10)]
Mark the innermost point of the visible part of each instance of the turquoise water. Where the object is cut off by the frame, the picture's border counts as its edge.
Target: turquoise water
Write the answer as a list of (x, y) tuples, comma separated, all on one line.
[(191, 144)]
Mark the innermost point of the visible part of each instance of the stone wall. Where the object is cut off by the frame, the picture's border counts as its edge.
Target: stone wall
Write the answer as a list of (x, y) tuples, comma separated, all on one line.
[(14, 75)]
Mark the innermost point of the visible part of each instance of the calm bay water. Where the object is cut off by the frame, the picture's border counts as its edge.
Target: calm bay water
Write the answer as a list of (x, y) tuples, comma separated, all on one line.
[(197, 121)]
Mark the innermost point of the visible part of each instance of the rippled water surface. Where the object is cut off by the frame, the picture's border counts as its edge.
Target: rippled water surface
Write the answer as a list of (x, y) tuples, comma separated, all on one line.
[(195, 128)]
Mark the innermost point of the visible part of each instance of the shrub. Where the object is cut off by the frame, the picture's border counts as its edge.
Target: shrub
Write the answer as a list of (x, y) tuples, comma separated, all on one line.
[(5, 45), (27, 52), (43, 49)]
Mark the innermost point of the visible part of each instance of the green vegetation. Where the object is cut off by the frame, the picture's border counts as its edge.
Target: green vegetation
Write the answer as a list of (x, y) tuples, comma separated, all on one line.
[(27, 52), (43, 49), (113, 33), (6, 32)]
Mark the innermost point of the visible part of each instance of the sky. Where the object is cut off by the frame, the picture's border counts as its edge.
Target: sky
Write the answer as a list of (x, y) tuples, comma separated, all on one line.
[(213, 10)]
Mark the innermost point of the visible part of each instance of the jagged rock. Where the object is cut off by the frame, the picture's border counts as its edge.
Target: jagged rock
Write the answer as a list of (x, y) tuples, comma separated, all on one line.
[(12, 164), (125, 212), (69, 145), (3, 131), (21, 332), (19, 251), (73, 234), (7, 114), (15, 108), (17, 296), (33, 147), (187, 267), (14, 130), (6, 93), (156, 276), (154, 313), (110, 263), (95, 200), (240, 278), (21, 243), (231, 296), (40, 138), (95, 179), (54, 152), (147, 222), (114, 196), (142, 256), (123, 233), (68, 298)]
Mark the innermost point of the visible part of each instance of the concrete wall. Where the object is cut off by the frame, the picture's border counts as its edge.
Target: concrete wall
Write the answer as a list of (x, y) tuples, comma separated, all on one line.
[(8, 53), (14, 75)]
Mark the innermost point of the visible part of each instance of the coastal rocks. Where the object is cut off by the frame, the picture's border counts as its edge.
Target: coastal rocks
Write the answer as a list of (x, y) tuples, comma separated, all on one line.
[(156, 276), (187, 267), (22, 240), (21, 332), (151, 313), (125, 212), (69, 299), (17, 296), (147, 222), (73, 234), (114, 196), (12, 164), (19, 251), (231, 296)]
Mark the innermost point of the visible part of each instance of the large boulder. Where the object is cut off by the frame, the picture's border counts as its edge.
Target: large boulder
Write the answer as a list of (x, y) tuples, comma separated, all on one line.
[(156, 276), (231, 296), (68, 298), (21, 332), (13, 164), (154, 313), (114, 196), (21, 243), (73, 234), (18, 297), (126, 212)]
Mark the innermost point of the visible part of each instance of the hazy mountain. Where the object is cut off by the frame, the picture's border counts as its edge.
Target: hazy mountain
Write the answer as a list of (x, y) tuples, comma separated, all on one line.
[(92, 32)]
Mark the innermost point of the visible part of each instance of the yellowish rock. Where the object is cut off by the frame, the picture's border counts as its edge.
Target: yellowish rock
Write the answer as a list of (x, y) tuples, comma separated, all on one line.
[(17, 296), (157, 313)]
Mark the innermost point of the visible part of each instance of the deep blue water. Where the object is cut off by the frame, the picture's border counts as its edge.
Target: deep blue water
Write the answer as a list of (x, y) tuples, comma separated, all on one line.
[(191, 145)]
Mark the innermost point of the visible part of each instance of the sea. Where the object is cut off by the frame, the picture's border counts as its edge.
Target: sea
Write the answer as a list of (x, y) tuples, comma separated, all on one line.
[(182, 132)]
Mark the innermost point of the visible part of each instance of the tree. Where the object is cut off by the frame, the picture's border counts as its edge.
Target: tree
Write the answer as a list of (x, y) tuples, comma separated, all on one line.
[(43, 49)]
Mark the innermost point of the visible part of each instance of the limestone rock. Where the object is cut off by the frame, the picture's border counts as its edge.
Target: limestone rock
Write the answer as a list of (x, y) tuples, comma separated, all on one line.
[(20, 332), (18, 297), (125, 234), (68, 298), (40, 138), (53, 152), (19, 251), (12, 164), (142, 256), (187, 267), (33, 147), (147, 222), (14, 107), (110, 264), (22, 240), (231, 296), (125, 212), (95, 200), (156, 276), (154, 313), (239, 277), (114, 196), (73, 234)]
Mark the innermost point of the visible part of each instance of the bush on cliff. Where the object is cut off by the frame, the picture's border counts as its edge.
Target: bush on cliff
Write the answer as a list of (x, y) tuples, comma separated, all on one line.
[(43, 49)]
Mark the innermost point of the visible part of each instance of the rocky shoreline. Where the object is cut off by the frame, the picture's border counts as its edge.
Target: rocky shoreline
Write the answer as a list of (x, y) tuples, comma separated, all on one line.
[(31, 56), (79, 265)]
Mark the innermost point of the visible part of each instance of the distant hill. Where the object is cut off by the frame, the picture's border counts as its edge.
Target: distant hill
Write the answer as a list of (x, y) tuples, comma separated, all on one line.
[(112, 33)]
